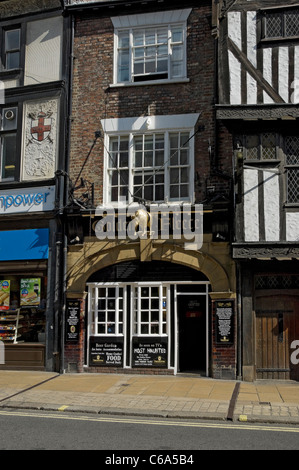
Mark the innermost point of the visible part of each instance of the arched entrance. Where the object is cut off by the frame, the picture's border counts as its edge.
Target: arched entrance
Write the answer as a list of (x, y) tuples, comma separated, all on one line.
[(148, 315)]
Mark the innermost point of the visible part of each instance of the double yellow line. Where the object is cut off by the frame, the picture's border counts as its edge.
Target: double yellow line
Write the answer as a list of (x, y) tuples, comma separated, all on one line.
[(115, 419)]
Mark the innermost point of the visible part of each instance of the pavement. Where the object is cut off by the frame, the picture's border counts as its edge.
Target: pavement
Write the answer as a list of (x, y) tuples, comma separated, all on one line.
[(181, 396)]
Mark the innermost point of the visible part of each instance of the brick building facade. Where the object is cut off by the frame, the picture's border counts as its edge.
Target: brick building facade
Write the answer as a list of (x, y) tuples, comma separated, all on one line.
[(143, 128)]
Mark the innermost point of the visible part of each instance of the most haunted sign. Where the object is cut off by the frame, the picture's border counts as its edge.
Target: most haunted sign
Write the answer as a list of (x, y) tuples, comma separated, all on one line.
[(150, 353)]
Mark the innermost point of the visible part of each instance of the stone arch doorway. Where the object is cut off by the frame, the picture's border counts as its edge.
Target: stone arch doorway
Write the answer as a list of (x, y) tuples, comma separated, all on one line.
[(84, 264)]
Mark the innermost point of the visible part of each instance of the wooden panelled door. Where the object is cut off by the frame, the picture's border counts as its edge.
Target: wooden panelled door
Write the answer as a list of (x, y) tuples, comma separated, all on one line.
[(277, 326)]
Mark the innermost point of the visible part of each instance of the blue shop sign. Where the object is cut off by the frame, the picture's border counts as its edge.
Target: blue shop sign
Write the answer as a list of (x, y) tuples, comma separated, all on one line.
[(24, 244)]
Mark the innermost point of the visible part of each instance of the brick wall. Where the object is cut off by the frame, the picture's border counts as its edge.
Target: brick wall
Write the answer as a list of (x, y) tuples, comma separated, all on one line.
[(94, 99)]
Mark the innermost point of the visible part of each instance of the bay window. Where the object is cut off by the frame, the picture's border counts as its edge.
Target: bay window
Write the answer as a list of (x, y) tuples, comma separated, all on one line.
[(149, 159), (150, 167)]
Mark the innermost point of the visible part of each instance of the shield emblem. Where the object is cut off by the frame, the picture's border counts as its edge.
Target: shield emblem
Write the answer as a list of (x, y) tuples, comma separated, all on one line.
[(41, 127)]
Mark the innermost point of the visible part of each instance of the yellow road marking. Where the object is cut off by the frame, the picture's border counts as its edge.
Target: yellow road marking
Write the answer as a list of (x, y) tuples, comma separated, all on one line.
[(63, 407), (233, 426)]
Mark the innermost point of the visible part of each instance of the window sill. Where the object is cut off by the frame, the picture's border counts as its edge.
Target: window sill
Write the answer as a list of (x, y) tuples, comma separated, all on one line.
[(279, 39), (12, 73), (265, 162), (291, 205), (149, 82)]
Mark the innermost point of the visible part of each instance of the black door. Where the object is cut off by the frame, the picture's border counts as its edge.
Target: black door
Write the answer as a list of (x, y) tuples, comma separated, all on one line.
[(192, 333)]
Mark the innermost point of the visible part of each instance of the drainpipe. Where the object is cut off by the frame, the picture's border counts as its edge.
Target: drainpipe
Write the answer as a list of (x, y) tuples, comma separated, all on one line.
[(64, 248)]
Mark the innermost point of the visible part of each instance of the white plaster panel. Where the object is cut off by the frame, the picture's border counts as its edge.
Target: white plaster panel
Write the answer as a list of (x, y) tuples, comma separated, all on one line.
[(267, 72), (295, 84), (234, 28), (271, 206), (251, 37), (251, 202), (234, 33), (251, 55), (292, 226), (283, 73), (251, 90), (235, 79), (43, 51)]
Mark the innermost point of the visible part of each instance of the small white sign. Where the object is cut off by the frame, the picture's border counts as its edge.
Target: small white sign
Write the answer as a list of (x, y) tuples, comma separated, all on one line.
[(27, 200)]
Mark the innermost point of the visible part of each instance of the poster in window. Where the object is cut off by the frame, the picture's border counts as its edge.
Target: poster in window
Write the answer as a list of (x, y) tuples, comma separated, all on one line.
[(150, 352), (30, 292), (4, 295), (106, 352)]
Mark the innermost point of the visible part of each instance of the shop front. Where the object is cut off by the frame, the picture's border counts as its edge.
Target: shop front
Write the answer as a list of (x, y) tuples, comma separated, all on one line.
[(27, 277), (23, 297), (157, 316), (148, 317)]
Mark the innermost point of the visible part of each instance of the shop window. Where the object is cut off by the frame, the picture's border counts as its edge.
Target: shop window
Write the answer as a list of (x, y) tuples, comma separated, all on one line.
[(26, 297), (150, 47)]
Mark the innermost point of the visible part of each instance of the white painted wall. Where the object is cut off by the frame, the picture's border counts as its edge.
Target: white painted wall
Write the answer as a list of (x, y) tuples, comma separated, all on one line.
[(251, 208)]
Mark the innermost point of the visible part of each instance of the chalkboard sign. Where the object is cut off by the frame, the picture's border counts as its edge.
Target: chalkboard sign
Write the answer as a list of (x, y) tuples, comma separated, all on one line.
[(104, 352), (72, 322), (150, 353), (224, 322)]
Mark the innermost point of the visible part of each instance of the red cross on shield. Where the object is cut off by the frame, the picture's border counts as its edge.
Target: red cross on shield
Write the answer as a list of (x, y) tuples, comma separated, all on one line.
[(41, 127)]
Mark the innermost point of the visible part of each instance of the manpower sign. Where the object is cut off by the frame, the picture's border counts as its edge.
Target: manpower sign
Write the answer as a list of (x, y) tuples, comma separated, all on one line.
[(39, 199)]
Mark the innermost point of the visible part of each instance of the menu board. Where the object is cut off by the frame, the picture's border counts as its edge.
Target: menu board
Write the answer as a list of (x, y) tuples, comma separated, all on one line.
[(4, 295), (224, 313), (30, 292), (104, 353), (72, 321), (150, 353)]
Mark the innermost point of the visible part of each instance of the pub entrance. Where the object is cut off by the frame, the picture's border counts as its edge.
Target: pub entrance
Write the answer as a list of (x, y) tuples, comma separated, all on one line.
[(148, 318), (192, 313)]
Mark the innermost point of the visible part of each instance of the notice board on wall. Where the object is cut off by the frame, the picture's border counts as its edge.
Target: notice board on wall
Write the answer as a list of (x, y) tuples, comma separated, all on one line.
[(224, 321), (72, 321)]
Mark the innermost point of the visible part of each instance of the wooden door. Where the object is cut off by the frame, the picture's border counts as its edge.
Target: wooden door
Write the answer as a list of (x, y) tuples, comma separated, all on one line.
[(277, 326)]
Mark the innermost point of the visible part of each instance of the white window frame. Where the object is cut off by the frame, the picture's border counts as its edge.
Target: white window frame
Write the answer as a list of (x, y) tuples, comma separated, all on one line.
[(150, 125), (153, 21), (119, 324), (137, 321)]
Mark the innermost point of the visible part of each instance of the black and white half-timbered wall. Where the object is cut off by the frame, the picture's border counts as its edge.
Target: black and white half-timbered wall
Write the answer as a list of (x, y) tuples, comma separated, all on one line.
[(258, 102)]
